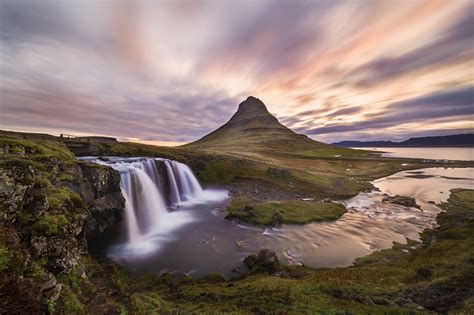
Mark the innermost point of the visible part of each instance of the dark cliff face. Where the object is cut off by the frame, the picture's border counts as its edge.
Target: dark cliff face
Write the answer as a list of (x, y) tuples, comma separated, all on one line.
[(49, 208), (70, 212), (101, 191)]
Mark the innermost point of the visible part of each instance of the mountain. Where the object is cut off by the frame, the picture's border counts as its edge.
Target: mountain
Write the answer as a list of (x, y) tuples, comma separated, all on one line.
[(465, 140), (253, 128)]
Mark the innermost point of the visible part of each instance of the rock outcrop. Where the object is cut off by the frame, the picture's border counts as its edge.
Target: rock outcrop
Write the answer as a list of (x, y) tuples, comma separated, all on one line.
[(265, 261), (402, 201), (49, 209)]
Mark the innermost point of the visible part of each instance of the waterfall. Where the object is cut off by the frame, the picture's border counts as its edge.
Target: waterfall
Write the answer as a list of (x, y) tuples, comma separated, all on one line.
[(130, 216), (173, 185), (161, 196), (183, 185), (144, 184)]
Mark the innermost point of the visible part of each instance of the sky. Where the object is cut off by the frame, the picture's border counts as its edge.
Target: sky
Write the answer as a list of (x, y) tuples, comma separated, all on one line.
[(168, 72)]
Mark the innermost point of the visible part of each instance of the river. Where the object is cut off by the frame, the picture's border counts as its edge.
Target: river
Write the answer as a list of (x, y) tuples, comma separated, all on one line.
[(459, 154), (193, 238)]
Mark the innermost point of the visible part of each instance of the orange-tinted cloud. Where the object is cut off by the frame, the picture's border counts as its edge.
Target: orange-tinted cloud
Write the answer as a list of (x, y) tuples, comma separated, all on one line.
[(172, 71)]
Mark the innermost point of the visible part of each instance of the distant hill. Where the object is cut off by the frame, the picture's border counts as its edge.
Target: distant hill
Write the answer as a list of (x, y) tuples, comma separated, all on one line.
[(253, 128), (465, 140)]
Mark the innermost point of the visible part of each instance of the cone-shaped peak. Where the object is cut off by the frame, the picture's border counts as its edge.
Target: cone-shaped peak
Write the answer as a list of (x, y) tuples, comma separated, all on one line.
[(251, 102), (251, 108), (252, 127)]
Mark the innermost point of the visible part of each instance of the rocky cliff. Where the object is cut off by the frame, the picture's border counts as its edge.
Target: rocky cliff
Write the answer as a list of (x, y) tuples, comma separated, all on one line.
[(50, 205)]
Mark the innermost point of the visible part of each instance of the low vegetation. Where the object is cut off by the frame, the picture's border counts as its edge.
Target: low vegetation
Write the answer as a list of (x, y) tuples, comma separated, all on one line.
[(269, 187), (435, 275), (287, 211)]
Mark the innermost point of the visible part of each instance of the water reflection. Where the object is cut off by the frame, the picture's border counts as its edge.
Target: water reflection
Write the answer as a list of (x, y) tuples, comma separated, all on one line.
[(211, 244)]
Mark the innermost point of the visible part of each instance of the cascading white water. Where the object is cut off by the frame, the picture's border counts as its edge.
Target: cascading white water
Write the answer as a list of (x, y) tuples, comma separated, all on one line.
[(143, 187), (190, 187), (183, 185), (173, 185), (130, 216), (161, 196), (144, 204)]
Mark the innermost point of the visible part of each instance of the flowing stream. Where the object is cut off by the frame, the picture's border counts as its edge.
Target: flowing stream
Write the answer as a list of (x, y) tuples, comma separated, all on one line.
[(171, 224)]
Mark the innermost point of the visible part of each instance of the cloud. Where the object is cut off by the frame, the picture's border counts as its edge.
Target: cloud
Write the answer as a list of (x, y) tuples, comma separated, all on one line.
[(168, 117), (443, 105), (173, 71), (457, 41)]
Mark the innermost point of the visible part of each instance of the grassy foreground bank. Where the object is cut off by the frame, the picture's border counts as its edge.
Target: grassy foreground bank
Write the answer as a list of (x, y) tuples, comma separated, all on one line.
[(433, 276)]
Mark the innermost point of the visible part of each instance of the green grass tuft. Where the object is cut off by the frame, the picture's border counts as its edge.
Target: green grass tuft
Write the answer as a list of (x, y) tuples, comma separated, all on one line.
[(5, 257), (288, 211), (50, 224), (59, 196)]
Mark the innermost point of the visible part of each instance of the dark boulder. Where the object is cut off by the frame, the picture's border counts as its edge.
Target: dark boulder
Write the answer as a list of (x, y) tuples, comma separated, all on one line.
[(265, 261), (402, 201)]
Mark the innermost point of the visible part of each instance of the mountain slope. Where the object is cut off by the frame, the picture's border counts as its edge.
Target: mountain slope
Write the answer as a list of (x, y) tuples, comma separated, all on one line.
[(253, 128)]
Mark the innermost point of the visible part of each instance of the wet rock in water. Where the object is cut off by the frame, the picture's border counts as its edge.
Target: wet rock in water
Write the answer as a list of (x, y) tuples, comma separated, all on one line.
[(265, 261), (239, 244), (250, 261), (402, 201)]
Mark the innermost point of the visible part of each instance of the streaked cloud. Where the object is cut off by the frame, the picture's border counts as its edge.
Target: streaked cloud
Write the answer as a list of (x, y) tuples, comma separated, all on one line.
[(171, 71)]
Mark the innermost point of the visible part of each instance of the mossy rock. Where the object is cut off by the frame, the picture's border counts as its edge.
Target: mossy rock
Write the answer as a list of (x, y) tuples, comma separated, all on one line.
[(50, 224)]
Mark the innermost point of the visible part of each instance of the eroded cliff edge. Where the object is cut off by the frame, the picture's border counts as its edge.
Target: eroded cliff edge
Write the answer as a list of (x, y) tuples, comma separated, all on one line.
[(50, 206)]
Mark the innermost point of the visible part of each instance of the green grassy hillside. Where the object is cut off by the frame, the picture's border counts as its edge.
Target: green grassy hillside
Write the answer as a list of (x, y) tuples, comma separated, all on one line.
[(434, 275)]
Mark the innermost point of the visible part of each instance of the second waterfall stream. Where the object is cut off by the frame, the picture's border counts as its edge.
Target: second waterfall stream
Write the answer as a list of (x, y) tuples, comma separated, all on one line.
[(153, 188)]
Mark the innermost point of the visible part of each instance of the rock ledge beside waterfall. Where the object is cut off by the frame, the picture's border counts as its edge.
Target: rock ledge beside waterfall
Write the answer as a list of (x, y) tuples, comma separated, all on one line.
[(50, 205)]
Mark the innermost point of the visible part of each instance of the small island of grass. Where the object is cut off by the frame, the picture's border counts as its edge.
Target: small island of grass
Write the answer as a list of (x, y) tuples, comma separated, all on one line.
[(288, 211)]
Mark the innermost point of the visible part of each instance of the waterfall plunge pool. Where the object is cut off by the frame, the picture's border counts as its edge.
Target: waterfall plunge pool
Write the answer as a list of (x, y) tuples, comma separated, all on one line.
[(173, 225)]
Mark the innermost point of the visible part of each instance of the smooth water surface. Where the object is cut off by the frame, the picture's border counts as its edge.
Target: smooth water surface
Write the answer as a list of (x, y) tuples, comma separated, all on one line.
[(206, 243), (460, 154)]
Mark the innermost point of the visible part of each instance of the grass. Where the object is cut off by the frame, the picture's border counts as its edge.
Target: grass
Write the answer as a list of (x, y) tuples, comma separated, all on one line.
[(57, 197), (287, 211), (5, 257), (50, 224), (108, 148), (336, 152), (70, 303), (37, 149), (436, 275)]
